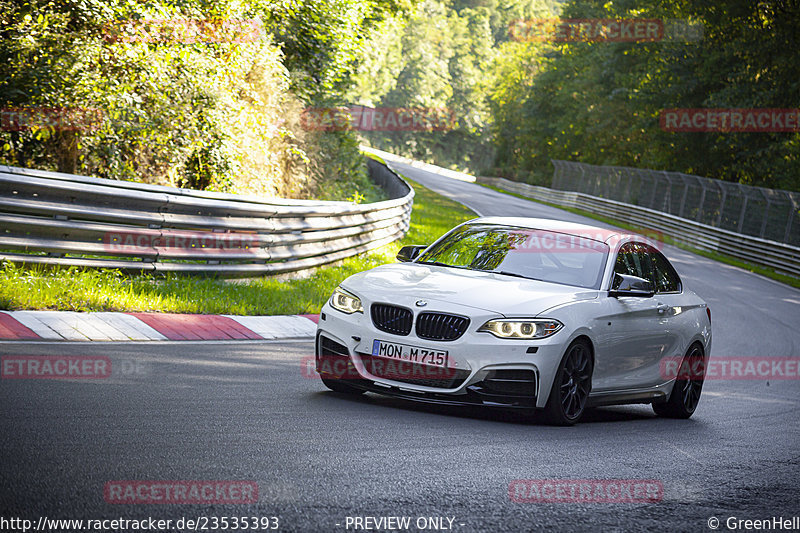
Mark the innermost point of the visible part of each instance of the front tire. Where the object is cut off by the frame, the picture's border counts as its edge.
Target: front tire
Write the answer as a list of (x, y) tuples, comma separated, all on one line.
[(571, 386), (685, 393), (336, 385)]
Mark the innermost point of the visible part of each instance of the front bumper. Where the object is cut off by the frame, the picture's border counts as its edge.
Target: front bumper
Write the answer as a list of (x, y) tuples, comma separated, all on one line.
[(483, 370)]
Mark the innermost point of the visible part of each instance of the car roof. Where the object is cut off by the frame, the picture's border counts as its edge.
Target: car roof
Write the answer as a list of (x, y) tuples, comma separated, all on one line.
[(596, 233)]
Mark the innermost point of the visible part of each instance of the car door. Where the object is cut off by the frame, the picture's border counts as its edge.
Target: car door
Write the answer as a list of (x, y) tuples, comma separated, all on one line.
[(669, 302), (632, 331)]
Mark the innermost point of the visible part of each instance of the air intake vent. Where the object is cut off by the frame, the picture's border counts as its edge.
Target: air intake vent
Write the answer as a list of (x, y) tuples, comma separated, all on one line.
[(392, 319), (413, 373), (441, 326), (329, 347)]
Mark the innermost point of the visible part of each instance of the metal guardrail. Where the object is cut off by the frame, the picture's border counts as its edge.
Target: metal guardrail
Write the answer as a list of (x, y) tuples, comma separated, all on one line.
[(393, 158), (780, 257), (61, 219), (756, 211)]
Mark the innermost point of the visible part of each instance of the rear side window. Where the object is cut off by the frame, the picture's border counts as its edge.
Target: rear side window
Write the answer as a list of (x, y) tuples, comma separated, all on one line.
[(644, 261), (665, 278)]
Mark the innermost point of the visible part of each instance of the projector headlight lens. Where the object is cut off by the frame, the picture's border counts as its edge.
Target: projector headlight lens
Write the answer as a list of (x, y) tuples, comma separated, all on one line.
[(346, 302), (526, 328)]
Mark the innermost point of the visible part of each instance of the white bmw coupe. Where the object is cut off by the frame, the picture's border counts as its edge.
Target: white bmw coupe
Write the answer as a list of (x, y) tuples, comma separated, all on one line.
[(521, 313)]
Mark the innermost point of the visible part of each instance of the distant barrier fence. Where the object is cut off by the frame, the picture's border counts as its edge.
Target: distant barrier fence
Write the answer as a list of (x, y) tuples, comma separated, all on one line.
[(780, 257), (755, 211), (60, 219)]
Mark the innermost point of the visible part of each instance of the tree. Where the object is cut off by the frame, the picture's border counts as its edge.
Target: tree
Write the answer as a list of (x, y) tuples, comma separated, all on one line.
[(599, 102)]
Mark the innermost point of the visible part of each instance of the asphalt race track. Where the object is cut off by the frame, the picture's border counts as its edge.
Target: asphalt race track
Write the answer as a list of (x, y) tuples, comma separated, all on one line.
[(251, 411)]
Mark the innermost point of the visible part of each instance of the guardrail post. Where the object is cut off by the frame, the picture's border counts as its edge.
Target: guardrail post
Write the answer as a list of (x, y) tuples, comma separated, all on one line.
[(652, 202), (742, 212), (788, 234), (667, 206), (766, 212), (699, 217), (683, 199), (723, 194), (764, 220)]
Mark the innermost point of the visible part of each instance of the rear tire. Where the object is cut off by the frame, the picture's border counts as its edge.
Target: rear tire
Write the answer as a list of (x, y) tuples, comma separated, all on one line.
[(571, 387), (685, 393), (336, 385)]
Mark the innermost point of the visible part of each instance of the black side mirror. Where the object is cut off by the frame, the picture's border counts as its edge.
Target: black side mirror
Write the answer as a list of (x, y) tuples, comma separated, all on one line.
[(409, 253), (625, 285)]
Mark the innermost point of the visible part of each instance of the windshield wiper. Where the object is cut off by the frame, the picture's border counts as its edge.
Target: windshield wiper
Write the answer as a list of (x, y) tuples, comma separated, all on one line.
[(507, 273), (440, 264), (434, 263)]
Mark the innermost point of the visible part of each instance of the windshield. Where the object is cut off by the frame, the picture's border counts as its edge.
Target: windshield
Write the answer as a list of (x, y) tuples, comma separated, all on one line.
[(543, 255)]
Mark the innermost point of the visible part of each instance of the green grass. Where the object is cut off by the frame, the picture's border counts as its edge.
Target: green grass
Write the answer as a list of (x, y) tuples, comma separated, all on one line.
[(74, 289), (722, 258)]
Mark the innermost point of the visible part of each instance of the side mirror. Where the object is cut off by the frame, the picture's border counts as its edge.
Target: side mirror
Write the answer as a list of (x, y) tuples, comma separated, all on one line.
[(625, 285), (409, 253)]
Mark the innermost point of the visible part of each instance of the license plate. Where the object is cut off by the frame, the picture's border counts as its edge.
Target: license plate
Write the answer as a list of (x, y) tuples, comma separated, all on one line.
[(404, 352)]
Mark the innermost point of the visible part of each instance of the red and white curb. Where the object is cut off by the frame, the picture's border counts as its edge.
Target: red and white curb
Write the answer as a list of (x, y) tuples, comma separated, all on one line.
[(73, 326)]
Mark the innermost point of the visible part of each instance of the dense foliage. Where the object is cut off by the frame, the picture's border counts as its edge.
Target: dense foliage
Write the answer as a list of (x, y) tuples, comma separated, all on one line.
[(199, 94), (443, 57), (521, 102), (226, 113), (599, 102)]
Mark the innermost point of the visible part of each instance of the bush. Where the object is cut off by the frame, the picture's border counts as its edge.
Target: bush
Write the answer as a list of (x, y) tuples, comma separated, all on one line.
[(206, 113)]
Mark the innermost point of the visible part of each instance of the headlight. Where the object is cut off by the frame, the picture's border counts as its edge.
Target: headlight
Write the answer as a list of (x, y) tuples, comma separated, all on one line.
[(346, 302), (522, 328)]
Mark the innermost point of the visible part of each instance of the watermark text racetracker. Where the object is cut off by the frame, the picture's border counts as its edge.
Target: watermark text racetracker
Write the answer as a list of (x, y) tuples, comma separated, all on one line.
[(362, 118), (184, 31), (31, 118), (585, 491), (730, 120), (407, 366), (180, 492), (559, 30), (55, 367), (731, 368), (85, 120), (177, 241), (567, 240)]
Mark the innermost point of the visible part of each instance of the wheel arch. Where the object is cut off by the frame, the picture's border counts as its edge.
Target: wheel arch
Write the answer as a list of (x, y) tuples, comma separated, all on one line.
[(581, 335), (697, 339), (584, 336)]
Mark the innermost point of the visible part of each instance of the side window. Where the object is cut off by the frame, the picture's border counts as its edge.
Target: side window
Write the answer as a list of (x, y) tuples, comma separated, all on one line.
[(665, 278), (633, 260)]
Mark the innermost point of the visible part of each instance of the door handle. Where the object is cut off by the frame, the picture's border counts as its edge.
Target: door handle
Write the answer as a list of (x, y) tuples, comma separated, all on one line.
[(662, 308)]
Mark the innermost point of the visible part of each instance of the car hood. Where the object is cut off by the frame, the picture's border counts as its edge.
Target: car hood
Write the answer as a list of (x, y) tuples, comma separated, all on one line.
[(405, 283)]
